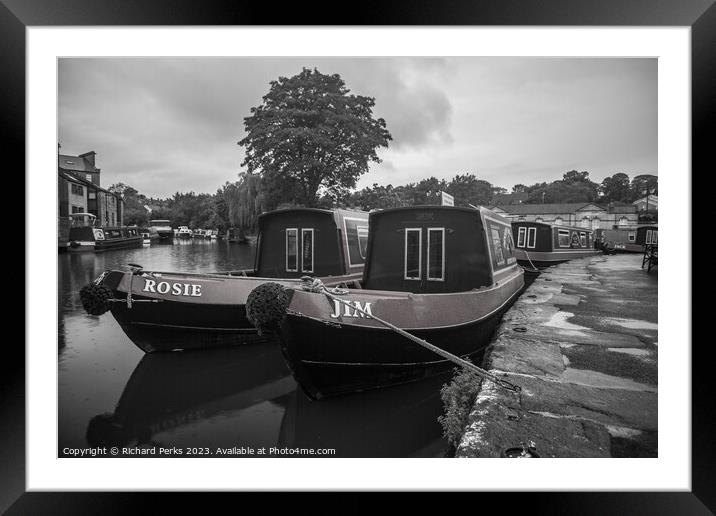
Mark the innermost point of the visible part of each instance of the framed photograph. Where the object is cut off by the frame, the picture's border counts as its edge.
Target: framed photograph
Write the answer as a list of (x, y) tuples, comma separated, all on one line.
[(487, 170)]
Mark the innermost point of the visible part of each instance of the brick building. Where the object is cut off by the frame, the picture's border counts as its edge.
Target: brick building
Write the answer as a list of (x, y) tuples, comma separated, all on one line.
[(80, 190), (587, 215)]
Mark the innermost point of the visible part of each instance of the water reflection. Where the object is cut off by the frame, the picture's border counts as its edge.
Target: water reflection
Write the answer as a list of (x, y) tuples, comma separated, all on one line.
[(111, 394)]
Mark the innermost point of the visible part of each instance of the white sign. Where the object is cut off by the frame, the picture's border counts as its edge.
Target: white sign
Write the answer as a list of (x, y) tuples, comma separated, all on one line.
[(447, 199)]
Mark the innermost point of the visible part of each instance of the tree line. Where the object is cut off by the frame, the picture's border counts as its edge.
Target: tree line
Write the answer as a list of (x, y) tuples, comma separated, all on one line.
[(309, 142)]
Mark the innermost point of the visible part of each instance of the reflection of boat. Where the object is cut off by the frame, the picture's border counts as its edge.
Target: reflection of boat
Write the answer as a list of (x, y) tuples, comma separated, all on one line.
[(398, 422), (171, 390), (444, 274), (630, 240), (163, 229), (85, 235), (540, 245), (205, 310)]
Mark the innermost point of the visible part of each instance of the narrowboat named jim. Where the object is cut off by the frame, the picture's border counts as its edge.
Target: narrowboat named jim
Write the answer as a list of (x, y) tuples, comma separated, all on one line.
[(163, 229), (443, 274), (84, 235), (541, 245), (630, 240), (163, 311)]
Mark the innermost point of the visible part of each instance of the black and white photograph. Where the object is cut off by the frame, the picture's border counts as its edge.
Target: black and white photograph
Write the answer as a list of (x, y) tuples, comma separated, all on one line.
[(340, 257)]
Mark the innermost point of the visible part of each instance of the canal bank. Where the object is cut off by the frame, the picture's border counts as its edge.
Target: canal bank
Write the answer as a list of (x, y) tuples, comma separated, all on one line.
[(581, 342)]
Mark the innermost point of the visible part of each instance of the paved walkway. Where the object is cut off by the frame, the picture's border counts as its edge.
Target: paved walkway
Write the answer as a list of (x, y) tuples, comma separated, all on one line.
[(582, 343)]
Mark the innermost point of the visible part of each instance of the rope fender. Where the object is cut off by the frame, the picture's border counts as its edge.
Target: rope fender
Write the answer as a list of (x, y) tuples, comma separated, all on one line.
[(266, 306), (96, 298)]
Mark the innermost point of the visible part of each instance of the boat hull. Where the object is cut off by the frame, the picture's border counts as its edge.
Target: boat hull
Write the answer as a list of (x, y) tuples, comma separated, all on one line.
[(208, 311), (541, 259), (333, 357)]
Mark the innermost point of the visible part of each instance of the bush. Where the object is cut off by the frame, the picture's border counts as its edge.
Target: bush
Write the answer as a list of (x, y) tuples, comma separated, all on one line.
[(458, 397)]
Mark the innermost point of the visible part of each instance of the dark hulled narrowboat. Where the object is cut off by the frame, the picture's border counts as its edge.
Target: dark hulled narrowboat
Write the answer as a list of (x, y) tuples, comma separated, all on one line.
[(163, 229), (171, 310), (541, 245), (631, 240), (443, 274), (85, 235)]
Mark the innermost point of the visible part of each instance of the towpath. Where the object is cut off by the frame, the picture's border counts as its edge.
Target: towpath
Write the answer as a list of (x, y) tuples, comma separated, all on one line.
[(582, 343)]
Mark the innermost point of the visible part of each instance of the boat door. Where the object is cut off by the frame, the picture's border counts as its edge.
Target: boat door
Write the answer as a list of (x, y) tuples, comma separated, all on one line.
[(424, 257)]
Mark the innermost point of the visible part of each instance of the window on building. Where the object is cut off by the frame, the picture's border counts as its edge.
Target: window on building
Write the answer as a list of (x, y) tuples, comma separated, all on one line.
[(585, 222), (77, 189), (623, 221), (88, 177), (558, 221), (563, 238), (436, 254), (531, 238), (292, 249), (596, 222), (91, 194), (307, 250), (521, 236), (583, 239), (413, 253)]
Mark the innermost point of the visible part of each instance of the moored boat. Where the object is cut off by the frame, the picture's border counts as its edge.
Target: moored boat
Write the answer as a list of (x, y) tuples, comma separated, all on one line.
[(540, 245), (163, 229), (163, 311), (443, 274), (85, 235), (183, 232), (630, 240)]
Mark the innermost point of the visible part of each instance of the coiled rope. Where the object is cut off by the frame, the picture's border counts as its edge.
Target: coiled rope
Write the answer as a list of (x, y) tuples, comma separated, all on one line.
[(316, 285)]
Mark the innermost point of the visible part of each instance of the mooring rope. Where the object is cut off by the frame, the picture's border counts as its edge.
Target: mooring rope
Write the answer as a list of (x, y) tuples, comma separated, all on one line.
[(534, 269), (316, 285)]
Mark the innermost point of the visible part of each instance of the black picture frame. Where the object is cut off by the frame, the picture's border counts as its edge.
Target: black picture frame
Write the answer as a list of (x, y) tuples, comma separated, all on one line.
[(17, 15)]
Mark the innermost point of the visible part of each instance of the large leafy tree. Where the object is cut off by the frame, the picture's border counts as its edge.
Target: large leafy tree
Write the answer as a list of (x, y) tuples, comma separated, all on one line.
[(310, 134), (643, 185), (616, 188)]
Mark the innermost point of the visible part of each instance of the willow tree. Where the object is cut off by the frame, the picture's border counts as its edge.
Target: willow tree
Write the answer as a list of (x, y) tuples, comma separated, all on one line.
[(310, 134), (244, 201)]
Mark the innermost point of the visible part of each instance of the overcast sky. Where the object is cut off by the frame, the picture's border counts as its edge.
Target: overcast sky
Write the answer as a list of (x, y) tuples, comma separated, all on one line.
[(172, 124)]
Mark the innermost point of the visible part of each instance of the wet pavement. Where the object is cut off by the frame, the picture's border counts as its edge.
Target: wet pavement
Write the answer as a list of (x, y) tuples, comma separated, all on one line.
[(582, 342)]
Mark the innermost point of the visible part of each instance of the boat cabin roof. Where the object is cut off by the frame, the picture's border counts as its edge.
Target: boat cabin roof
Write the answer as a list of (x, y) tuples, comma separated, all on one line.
[(433, 249), (295, 242)]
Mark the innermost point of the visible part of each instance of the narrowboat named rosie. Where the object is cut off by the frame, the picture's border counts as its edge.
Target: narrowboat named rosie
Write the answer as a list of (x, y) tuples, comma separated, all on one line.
[(631, 240), (86, 236), (163, 229), (443, 274), (541, 245), (163, 311)]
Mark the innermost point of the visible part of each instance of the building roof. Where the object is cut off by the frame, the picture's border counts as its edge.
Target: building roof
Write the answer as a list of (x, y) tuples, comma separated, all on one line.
[(543, 209), (76, 163), (80, 181)]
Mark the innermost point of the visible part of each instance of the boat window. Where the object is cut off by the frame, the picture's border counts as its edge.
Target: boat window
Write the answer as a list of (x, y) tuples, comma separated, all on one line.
[(648, 236), (653, 236), (521, 236), (291, 250), (631, 236), (436, 254), (355, 228), (531, 238), (563, 238), (497, 246), (363, 240), (583, 239), (508, 244), (413, 252), (307, 252)]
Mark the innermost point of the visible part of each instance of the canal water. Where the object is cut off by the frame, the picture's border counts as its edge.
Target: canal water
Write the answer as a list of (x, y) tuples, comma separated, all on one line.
[(240, 398)]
